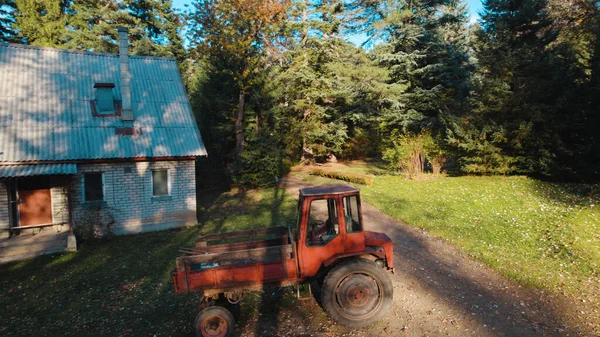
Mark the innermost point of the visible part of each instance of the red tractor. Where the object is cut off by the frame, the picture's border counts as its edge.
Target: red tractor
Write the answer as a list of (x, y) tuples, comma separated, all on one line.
[(330, 249)]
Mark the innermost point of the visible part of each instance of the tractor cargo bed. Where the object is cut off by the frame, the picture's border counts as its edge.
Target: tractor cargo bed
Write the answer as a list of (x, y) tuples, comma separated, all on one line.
[(215, 266)]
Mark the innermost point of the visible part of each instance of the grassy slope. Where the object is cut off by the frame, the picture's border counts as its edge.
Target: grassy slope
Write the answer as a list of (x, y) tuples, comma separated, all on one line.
[(542, 234), (121, 286)]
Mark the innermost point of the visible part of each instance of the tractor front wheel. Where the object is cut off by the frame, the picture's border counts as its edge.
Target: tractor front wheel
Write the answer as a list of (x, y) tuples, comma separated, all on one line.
[(214, 321), (357, 293)]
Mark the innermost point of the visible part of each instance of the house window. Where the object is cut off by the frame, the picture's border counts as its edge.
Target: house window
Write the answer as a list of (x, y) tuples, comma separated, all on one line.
[(93, 186), (161, 186), (105, 102)]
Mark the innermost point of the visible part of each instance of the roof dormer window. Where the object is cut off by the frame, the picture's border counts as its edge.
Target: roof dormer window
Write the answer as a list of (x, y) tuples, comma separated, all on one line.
[(104, 104)]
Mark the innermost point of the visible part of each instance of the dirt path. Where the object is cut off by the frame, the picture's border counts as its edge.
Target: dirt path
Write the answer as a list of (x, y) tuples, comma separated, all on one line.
[(438, 291)]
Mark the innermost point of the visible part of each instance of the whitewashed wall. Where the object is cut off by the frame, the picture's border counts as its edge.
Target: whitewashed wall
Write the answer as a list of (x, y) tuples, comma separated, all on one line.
[(129, 206)]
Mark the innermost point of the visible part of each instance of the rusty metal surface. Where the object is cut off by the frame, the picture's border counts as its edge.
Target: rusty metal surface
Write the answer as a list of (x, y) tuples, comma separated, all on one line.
[(368, 251), (233, 265), (215, 267), (312, 257), (358, 296), (35, 207), (375, 239), (214, 326), (251, 276)]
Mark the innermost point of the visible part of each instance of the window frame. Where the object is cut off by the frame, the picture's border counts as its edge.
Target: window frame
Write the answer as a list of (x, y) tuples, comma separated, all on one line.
[(103, 91), (169, 183), (345, 201), (335, 209), (103, 176), (115, 105)]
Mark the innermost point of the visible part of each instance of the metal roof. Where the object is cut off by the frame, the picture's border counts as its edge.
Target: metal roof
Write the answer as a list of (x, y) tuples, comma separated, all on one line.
[(328, 189), (45, 111), (12, 171)]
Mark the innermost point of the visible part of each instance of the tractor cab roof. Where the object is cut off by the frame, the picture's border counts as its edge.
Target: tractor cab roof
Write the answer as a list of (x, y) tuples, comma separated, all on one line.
[(328, 190)]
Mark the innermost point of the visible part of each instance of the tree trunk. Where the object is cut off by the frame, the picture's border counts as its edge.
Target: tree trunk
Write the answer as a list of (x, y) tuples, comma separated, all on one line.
[(239, 129), (257, 125), (304, 20)]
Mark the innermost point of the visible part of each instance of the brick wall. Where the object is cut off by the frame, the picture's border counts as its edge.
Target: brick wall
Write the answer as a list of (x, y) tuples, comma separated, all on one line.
[(129, 206), (4, 219)]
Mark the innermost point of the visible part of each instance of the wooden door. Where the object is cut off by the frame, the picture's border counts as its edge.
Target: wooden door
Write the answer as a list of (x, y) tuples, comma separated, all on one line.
[(35, 207)]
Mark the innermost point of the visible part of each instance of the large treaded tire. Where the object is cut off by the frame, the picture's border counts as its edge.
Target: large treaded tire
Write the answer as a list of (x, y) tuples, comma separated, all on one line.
[(214, 321), (357, 293)]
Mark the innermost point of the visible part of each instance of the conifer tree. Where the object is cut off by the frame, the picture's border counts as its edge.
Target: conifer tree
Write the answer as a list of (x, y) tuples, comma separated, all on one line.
[(427, 51), (522, 84), (329, 92), (41, 23), (153, 26), (7, 19)]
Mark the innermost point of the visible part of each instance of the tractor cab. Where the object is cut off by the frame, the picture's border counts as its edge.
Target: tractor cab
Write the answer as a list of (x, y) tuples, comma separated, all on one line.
[(330, 226)]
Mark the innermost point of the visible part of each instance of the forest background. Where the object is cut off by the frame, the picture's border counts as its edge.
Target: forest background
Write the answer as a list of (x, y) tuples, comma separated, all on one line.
[(417, 83)]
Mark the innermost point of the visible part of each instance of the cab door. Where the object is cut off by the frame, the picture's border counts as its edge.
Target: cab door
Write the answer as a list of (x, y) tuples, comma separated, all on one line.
[(321, 235), (353, 224)]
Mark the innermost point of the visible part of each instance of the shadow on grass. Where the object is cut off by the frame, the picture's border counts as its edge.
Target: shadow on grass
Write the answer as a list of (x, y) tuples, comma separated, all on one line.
[(495, 305), (122, 286), (110, 287), (508, 314), (567, 194)]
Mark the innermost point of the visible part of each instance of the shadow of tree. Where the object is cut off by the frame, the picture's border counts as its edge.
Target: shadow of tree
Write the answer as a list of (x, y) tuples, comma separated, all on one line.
[(432, 277)]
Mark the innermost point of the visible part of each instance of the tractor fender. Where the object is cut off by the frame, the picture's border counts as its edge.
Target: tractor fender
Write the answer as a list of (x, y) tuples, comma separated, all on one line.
[(370, 253)]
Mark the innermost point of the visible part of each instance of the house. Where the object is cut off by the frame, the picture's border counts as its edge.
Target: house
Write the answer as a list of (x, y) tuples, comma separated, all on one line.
[(91, 143)]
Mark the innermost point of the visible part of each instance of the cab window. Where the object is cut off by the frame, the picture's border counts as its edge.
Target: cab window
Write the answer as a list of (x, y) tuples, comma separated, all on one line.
[(352, 214), (322, 222)]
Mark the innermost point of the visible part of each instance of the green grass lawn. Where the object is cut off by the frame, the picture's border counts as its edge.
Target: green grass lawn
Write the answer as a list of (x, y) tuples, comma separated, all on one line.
[(541, 234), (122, 286)]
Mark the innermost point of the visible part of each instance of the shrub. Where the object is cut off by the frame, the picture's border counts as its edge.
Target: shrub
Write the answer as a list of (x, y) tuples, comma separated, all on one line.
[(261, 162), (96, 221), (351, 178), (411, 153)]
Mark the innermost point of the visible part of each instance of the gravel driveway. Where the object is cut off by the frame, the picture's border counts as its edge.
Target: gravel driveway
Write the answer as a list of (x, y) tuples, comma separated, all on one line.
[(438, 291)]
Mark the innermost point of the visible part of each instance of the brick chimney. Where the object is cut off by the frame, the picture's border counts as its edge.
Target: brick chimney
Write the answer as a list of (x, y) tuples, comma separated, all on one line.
[(126, 111)]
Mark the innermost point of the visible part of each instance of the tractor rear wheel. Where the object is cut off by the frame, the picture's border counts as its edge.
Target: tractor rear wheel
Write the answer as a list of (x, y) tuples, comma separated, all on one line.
[(357, 293), (214, 321)]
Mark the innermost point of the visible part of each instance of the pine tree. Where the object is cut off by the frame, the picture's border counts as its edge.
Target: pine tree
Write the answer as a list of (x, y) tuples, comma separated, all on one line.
[(427, 51), (522, 83), (161, 25), (577, 24), (94, 25), (153, 26), (329, 93), (41, 23), (7, 19)]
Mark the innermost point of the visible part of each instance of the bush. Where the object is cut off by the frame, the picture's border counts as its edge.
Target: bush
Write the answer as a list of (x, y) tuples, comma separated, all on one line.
[(96, 221), (351, 178), (412, 152), (261, 162)]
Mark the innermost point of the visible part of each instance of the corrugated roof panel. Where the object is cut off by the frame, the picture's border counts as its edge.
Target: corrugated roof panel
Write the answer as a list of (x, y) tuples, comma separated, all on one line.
[(12, 171), (45, 111)]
